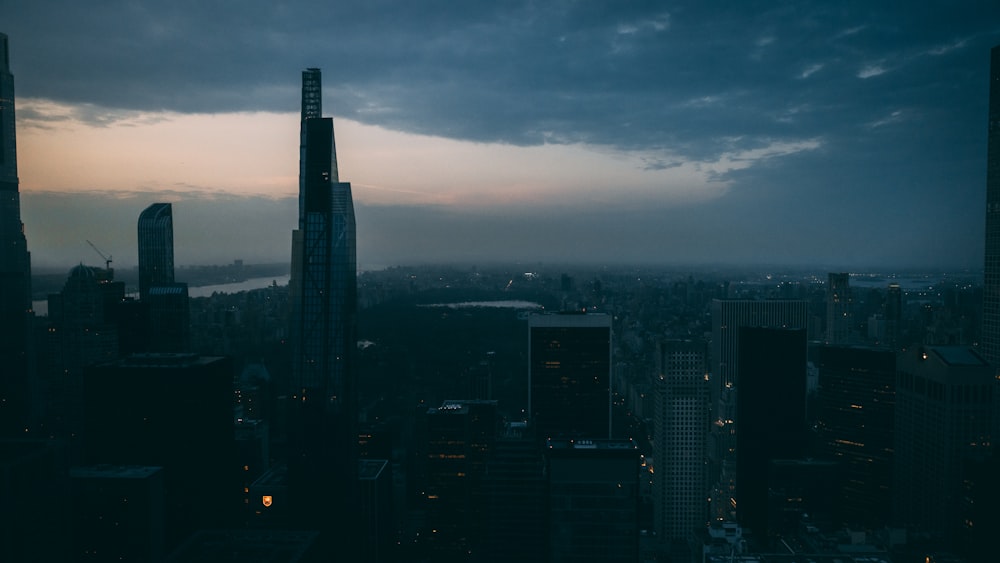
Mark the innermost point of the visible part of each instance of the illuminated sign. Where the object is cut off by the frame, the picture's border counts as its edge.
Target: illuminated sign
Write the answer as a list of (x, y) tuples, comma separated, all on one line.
[(266, 500)]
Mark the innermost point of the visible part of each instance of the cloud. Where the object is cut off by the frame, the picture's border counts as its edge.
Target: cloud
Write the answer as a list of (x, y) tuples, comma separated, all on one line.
[(871, 70)]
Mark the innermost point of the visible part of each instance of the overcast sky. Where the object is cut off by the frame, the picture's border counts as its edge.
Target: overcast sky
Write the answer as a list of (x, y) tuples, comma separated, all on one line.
[(848, 135)]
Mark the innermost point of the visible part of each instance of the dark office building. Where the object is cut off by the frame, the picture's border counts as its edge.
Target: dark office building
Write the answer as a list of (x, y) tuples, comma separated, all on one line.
[(771, 406), (169, 318), (838, 308), (728, 317), (16, 356), (34, 486), (156, 247), (593, 501), (460, 439), (174, 411), (322, 417), (857, 393), (516, 491), (569, 374), (944, 402), (991, 276), (375, 510), (117, 513)]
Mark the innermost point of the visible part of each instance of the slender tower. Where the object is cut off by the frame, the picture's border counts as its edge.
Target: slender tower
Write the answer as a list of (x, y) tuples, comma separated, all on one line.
[(991, 279), (15, 272), (156, 247), (323, 291)]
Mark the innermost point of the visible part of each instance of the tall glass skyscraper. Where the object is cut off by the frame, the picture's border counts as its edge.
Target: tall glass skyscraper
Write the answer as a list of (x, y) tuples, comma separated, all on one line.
[(156, 247), (324, 263), (15, 271), (991, 282), (322, 430)]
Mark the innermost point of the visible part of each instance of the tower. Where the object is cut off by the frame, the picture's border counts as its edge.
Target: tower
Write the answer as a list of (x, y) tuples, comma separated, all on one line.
[(991, 270), (569, 374), (323, 292), (943, 418), (771, 410), (15, 272), (156, 247), (838, 308), (680, 439), (728, 317)]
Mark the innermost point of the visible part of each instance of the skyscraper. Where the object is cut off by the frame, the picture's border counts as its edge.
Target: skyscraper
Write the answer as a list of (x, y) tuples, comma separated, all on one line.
[(838, 308), (156, 247), (324, 261), (323, 292), (728, 317), (680, 439), (569, 374), (15, 271), (991, 271)]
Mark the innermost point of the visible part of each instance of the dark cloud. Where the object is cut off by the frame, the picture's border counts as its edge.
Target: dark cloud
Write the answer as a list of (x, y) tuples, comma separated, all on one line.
[(894, 93)]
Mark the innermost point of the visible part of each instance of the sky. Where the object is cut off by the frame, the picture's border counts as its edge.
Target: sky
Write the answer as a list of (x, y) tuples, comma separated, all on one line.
[(845, 135)]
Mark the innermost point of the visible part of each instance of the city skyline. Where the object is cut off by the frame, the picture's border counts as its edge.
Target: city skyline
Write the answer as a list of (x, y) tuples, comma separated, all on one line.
[(802, 136)]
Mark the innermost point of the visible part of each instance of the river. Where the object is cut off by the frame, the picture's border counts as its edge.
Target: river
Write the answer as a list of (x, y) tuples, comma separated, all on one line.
[(41, 307)]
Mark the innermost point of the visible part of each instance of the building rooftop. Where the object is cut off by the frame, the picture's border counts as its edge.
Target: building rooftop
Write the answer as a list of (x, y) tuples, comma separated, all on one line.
[(958, 356), (105, 471)]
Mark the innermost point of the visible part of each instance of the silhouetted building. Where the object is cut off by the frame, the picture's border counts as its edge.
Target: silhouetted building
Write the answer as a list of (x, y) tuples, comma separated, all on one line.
[(857, 393), (569, 374), (728, 317), (375, 488), (117, 513), (460, 439), (991, 271), (16, 356), (893, 315), (169, 318), (771, 406), (516, 498), (944, 402), (680, 439), (156, 247), (838, 308), (34, 486), (593, 501), (79, 332), (174, 411), (323, 294), (250, 546)]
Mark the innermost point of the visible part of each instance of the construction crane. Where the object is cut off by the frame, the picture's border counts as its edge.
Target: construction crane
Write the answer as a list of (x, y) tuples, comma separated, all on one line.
[(107, 259)]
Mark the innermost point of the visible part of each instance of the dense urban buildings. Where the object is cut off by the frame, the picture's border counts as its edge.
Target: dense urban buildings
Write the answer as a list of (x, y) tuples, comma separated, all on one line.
[(671, 427), (16, 392)]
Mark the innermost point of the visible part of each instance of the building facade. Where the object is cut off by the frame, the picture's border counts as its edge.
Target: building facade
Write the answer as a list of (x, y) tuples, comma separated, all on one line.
[(15, 273), (156, 247), (680, 439), (569, 375), (838, 308), (991, 279)]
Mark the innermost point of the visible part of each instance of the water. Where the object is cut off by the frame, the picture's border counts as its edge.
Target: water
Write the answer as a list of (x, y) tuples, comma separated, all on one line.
[(41, 307)]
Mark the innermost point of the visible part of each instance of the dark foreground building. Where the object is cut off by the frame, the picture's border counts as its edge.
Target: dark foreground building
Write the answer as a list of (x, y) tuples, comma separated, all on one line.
[(172, 411), (15, 273)]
